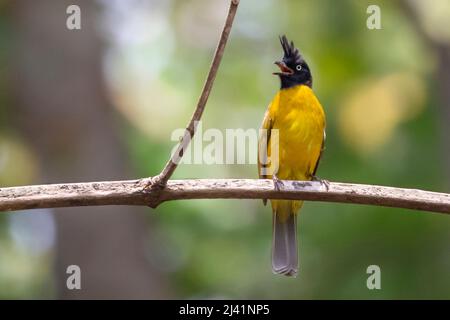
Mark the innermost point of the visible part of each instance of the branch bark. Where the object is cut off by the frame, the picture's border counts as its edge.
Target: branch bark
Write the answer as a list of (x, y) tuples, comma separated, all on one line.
[(132, 192)]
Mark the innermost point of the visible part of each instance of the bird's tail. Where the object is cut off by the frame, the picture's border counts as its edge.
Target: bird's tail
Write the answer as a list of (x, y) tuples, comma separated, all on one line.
[(284, 246)]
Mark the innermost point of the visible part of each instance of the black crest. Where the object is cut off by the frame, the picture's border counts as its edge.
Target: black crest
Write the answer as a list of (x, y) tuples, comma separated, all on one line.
[(291, 53)]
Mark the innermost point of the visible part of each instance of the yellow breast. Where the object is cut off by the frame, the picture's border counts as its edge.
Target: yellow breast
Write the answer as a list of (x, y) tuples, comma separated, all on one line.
[(300, 119)]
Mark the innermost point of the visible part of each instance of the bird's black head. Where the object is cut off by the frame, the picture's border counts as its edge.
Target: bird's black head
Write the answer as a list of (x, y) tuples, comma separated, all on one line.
[(293, 68)]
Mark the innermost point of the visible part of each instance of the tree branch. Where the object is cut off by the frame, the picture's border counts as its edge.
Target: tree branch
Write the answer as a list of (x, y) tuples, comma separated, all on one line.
[(155, 190), (161, 180), (132, 192)]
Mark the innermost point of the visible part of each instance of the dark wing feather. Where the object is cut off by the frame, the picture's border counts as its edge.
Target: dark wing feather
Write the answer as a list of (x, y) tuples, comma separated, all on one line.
[(264, 143), (320, 155)]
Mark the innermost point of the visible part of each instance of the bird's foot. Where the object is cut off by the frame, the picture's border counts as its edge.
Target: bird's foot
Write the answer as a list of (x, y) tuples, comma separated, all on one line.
[(323, 182), (278, 184)]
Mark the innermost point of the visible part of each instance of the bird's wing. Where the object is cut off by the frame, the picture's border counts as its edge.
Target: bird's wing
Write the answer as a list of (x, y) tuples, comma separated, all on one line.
[(321, 152), (263, 142)]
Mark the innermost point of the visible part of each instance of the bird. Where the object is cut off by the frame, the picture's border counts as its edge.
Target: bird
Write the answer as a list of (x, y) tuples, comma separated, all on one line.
[(293, 153)]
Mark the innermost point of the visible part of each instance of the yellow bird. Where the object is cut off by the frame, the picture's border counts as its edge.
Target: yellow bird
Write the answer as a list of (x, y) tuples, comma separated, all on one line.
[(290, 147)]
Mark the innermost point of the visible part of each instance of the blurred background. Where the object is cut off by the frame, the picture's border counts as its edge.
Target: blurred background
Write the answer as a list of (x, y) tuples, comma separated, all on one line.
[(101, 103)]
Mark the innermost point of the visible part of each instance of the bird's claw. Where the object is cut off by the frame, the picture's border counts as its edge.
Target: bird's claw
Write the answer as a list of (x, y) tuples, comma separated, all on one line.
[(323, 182), (278, 184)]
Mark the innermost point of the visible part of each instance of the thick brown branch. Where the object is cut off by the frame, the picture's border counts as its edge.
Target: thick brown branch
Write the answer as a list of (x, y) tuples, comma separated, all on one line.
[(171, 165), (131, 193)]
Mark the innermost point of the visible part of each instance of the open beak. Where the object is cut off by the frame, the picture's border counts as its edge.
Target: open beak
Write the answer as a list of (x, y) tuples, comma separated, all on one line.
[(285, 70)]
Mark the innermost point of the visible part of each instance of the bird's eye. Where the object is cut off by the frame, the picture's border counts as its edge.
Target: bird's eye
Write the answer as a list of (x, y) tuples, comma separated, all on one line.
[(299, 67)]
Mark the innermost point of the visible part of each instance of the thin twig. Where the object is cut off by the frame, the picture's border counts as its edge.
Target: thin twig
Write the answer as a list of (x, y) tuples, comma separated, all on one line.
[(131, 193), (161, 180)]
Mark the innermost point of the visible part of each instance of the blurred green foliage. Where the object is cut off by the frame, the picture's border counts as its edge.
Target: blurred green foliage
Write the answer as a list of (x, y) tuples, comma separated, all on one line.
[(221, 248)]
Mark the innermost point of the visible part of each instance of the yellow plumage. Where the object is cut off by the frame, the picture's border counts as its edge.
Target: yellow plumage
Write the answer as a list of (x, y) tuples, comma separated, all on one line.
[(300, 120)]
